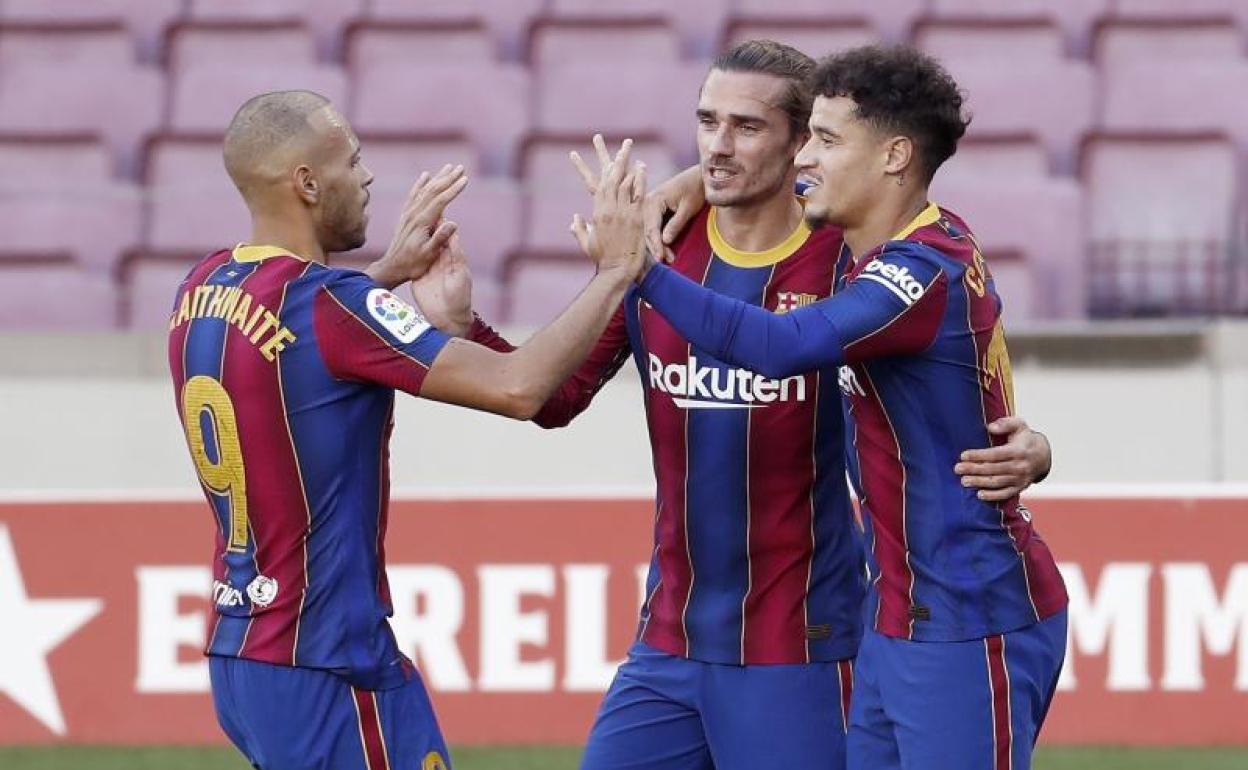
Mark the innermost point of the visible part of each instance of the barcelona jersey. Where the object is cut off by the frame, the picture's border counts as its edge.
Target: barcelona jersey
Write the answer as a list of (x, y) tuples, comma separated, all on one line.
[(916, 324), (756, 554), (284, 373)]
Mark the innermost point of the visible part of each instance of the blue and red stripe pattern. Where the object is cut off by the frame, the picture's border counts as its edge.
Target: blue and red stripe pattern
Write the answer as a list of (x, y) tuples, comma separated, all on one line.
[(757, 558), (284, 373), (926, 370)]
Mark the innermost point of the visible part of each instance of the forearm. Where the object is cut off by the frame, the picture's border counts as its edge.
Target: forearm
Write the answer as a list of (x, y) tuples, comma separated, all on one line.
[(537, 368), (743, 334)]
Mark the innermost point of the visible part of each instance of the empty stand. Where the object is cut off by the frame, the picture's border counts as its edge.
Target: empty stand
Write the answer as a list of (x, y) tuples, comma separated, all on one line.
[(1074, 17), (1120, 42), (95, 45), (145, 19), (815, 39), (1163, 214), (539, 289), (230, 44), (1025, 41), (507, 20), (700, 23), (194, 207), (1175, 11), (150, 285), (1176, 96), (891, 18), (204, 97), (38, 295)]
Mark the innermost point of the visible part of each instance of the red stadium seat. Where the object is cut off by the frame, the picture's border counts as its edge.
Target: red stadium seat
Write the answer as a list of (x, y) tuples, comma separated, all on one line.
[(148, 289), (1050, 99), (507, 20), (815, 39), (417, 45), (145, 19), (950, 41), (553, 192), (487, 212), (539, 289), (33, 293), (625, 80), (237, 44), (484, 101), (194, 207), (96, 45), (1168, 41), (1176, 96), (892, 18), (1075, 17), (58, 199), (205, 96), (699, 22), (1162, 213), (1007, 159), (1188, 9)]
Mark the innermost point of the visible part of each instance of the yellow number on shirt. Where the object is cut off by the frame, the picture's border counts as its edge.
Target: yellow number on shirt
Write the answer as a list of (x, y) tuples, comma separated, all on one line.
[(997, 365), (225, 476)]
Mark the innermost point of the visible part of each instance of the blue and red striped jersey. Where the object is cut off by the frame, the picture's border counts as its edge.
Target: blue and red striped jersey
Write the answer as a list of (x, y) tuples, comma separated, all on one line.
[(917, 324), (284, 372), (757, 558)]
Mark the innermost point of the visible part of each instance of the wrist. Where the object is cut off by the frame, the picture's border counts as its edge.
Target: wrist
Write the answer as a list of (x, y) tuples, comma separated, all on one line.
[(384, 273)]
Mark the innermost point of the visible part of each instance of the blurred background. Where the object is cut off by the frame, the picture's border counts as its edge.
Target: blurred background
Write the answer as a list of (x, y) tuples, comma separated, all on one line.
[(1103, 174)]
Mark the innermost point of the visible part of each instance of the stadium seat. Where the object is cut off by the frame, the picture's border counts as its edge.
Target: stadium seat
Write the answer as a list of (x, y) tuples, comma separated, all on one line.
[(891, 18), (483, 101), (145, 19), (41, 296), (1168, 96), (1037, 223), (194, 207), (149, 284), (539, 289), (996, 160), (1180, 11), (1050, 99), (417, 45), (1074, 17), (507, 20), (121, 104), (1217, 39), (487, 212), (1162, 211), (94, 45), (325, 18), (234, 44), (205, 96), (955, 41), (553, 191), (58, 200), (699, 22), (624, 80), (812, 38)]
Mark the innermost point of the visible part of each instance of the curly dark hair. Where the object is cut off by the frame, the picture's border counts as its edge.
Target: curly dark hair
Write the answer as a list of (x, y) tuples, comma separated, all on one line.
[(783, 61), (899, 89)]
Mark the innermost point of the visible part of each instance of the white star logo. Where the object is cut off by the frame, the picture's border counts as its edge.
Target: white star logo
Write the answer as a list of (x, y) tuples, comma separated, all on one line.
[(36, 627)]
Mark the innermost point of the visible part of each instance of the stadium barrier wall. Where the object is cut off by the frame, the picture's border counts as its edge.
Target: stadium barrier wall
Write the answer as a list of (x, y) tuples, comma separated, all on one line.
[(517, 610)]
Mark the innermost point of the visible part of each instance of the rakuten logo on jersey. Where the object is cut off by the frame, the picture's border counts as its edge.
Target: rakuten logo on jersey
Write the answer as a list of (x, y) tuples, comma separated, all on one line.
[(694, 386), (896, 279)]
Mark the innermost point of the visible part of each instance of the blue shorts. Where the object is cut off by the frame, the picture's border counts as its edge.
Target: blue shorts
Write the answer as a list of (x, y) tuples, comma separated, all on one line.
[(286, 718), (669, 713), (974, 705)]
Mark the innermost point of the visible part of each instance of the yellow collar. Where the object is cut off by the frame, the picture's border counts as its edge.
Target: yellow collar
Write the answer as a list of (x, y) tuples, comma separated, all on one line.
[(244, 253), (926, 217), (738, 258)]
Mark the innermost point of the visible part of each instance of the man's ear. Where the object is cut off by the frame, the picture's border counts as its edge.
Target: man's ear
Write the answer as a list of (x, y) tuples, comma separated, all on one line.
[(306, 185), (899, 155)]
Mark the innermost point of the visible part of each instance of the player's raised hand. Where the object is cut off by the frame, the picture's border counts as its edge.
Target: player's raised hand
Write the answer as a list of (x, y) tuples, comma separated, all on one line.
[(444, 292), (421, 234), (615, 239), (1001, 472)]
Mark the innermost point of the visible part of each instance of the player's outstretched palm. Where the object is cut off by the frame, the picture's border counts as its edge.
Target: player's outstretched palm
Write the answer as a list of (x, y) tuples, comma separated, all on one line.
[(444, 293), (615, 239), (421, 234)]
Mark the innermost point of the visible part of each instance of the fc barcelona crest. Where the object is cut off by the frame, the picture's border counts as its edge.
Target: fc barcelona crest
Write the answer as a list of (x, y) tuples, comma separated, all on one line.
[(788, 301)]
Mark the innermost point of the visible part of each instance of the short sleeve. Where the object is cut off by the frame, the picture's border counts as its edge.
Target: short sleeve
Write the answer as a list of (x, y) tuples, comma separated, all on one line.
[(367, 334), (894, 306)]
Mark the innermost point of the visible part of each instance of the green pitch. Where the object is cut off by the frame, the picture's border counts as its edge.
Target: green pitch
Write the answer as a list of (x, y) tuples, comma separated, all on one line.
[(558, 758)]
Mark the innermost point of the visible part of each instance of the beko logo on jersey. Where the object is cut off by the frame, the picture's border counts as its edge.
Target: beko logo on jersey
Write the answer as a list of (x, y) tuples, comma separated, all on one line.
[(897, 279), (694, 386), (399, 318)]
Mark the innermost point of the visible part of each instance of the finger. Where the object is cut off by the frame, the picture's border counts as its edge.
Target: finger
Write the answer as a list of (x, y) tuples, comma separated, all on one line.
[(580, 231), (444, 198), (994, 481), (996, 454), (685, 212), (587, 175), (1007, 425), (617, 169), (442, 236), (999, 495), (669, 256), (652, 212), (639, 182), (600, 147)]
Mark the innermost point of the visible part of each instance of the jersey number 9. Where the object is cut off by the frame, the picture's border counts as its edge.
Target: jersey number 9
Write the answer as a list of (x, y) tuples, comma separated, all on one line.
[(225, 475)]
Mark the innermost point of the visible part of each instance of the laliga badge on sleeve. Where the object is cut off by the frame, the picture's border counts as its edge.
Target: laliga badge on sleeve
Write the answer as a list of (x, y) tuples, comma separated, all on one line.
[(399, 318)]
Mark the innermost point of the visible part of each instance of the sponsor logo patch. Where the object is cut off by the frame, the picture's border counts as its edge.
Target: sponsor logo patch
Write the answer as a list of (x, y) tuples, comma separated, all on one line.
[(262, 591), (399, 318), (897, 279), (694, 385)]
